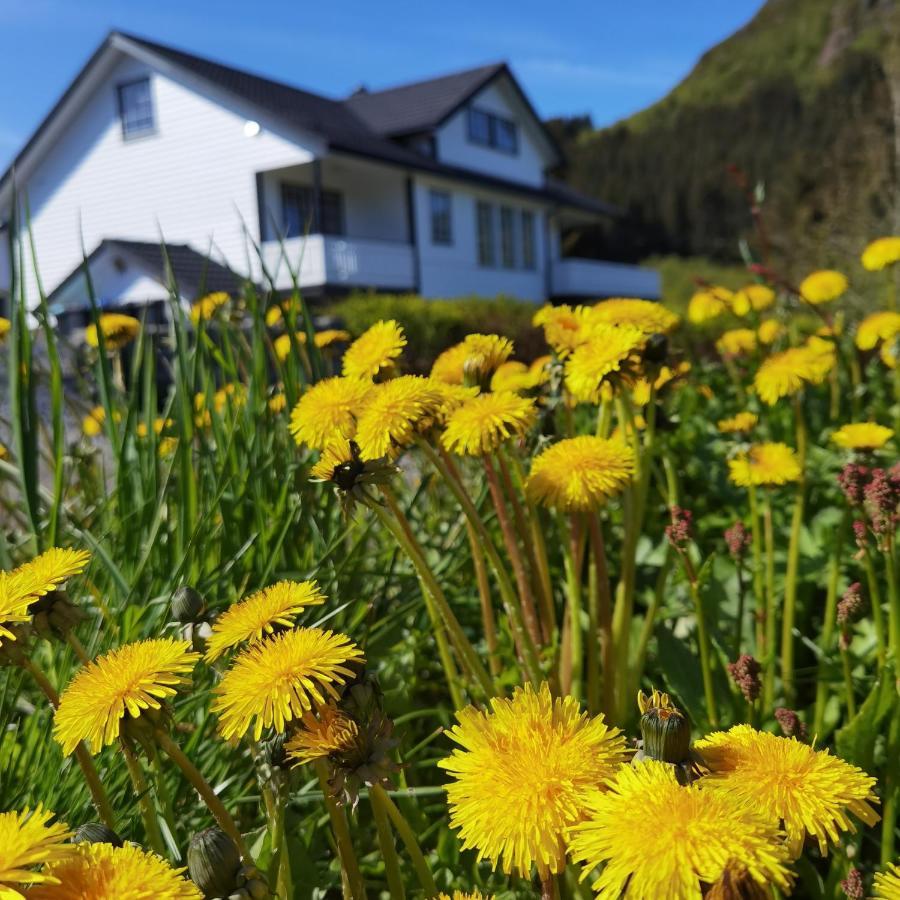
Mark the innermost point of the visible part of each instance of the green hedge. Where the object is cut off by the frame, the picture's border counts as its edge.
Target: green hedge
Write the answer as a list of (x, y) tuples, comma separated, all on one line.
[(433, 325)]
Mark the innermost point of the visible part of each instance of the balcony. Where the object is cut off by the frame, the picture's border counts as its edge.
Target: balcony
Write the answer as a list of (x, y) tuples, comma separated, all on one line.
[(320, 260), (590, 278)]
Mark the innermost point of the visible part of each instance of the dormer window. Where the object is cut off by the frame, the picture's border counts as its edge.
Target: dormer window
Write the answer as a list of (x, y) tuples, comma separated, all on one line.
[(490, 130), (136, 108)]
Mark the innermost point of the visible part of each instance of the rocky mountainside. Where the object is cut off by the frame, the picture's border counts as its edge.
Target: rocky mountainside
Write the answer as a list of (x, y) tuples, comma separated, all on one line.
[(804, 101)]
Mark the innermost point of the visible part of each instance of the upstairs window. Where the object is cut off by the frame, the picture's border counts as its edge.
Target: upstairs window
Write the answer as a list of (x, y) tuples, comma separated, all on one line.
[(298, 211), (491, 130), (441, 218), (136, 108), (485, 230)]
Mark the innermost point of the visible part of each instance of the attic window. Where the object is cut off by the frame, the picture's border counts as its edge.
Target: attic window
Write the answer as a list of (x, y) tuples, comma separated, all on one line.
[(136, 108), (491, 130)]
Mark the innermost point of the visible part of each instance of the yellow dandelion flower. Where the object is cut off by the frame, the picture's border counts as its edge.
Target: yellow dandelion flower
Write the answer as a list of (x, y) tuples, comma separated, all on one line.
[(3, 451), (125, 681), (516, 376), (650, 317), (809, 791), (5, 328), (462, 895), (277, 680), (890, 352), (206, 307), (640, 390), (785, 373), (337, 455), (117, 329), (167, 446), (392, 413), (255, 617), (53, 567), (329, 336), (329, 732), (564, 327), (283, 345), (328, 410), (862, 436), (881, 253), (708, 304), (737, 342), (823, 286), (524, 776), (878, 327), (452, 396), (656, 838), (765, 464), (739, 423), (609, 350), (105, 872), (769, 331), (473, 359), (580, 473), (887, 883), (92, 423), (756, 297), (28, 840), (16, 595), (277, 403), (374, 350), (481, 424)]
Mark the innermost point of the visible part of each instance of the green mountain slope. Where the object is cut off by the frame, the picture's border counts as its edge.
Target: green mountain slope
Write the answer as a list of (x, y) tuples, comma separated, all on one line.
[(802, 100)]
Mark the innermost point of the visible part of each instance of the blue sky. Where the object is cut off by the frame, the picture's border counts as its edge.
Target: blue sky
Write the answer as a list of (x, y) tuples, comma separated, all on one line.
[(602, 57)]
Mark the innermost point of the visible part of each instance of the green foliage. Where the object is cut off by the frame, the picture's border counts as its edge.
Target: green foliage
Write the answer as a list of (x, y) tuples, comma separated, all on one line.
[(434, 325)]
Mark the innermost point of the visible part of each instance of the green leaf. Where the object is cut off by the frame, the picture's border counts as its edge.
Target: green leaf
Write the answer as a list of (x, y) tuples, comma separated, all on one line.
[(855, 742)]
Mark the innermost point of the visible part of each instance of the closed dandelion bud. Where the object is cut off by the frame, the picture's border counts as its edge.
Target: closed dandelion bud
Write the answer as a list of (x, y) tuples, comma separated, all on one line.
[(664, 728), (188, 607), (656, 350), (214, 863), (96, 833), (54, 615), (274, 754)]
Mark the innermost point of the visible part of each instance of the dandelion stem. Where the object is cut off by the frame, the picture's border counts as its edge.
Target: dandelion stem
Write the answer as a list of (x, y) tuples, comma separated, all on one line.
[(758, 592), (82, 754), (769, 621), (572, 551), (487, 607), (341, 831), (549, 887), (419, 863), (875, 603), (893, 600), (77, 647), (848, 686), (203, 788), (604, 616), (145, 803), (388, 850)]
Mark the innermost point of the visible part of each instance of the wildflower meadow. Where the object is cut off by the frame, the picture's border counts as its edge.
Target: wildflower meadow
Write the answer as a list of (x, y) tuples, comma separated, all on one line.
[(281, 616)]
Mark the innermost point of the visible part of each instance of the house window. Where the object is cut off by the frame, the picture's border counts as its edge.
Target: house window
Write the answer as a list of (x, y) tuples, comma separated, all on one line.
[(528, 257), (441, 221), (297, 211), (485, 230), (507, 238), (136, 108), (491, 130)]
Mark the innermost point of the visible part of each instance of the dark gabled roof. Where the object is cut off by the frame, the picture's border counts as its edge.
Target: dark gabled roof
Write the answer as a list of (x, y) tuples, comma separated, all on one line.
[(193, 272), (423, 105)]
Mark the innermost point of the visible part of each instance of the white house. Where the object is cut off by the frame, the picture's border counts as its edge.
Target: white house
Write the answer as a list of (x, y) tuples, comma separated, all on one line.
[(437, 187)]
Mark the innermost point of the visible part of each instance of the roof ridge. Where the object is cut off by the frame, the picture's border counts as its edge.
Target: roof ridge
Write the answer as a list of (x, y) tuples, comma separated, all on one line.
[(493, 67)]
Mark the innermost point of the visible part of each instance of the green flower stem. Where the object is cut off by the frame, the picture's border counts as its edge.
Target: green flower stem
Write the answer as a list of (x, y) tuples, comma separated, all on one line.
[(280, 867), (77, 648), (875, 603), (402, 531), (891, 795), (893, 600), (203, 788), (640, 657), (793, 563), (488, 621), (549, 887), (388, 850), (758, 591), (848, 686), (406, 834), (574, 664), (526, 648), (826, 639), (82, 754), (148, 813), (604, 616), (770, 616), (709, 693), (520, 573), (341, 830)]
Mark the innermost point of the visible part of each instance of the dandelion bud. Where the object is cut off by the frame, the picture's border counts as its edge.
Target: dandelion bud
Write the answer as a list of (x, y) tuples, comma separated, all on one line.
[(737, 884), (679, 532), (790, 723), (851, 604), (853, 886), (274, 754), (738, 540), (188, 607), (54, 615), (214, 863), (745, 674), (656, 350), (664, 728), (96, 833)]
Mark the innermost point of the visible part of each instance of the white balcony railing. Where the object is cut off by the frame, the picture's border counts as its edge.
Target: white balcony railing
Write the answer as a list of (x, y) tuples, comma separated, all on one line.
[(589, 278), (324, 260)]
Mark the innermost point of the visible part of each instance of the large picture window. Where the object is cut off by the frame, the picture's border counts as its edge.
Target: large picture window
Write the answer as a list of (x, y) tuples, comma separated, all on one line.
[(136, 108), (298, 214)]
